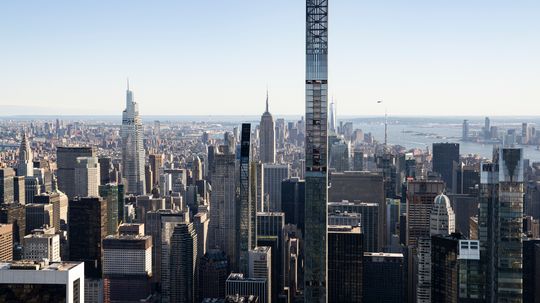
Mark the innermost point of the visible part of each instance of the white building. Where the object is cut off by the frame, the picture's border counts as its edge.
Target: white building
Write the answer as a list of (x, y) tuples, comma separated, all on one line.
[(39, 246), (260, 266), (87, 177), (127, 255), (62, 281)]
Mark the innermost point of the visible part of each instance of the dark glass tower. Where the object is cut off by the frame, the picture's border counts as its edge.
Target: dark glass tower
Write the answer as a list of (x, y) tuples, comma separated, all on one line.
[(444, 156), (246, 223), (316, 150)]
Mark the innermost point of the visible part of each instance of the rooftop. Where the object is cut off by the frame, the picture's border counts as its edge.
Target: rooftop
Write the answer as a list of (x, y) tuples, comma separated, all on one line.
[(36, 265)]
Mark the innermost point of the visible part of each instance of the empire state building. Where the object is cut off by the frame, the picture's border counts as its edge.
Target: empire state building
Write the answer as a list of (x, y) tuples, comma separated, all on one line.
[(132, 147)]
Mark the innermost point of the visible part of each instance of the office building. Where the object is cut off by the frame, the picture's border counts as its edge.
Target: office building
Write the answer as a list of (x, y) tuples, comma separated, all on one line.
[(31, 188), (383, 277), (6, 242), (223, 208), (260, 266), (19, 190), (213, 273), (500, 225), (59, 203), (87, 177), (26, 281), (345, 258), (339, 156), (66, 161), (465, 131), (109, 193), (238, 284), (87, 219), (444, 157), (455, 270), (200, 223), (361, 186), (421, 195), (160, 226), (293, 197), (267, 137), (127, 267), (274, 174), (270, 233), (42, 245), (38, 215), (183, 264), (133, 156), (15, 214), (6, 187), (369, 216), (156, 164), (531, 270), (25, 165), (105, 170)]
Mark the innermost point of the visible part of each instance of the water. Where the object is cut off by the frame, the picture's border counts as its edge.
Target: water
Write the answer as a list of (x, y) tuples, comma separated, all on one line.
[(423, 132)]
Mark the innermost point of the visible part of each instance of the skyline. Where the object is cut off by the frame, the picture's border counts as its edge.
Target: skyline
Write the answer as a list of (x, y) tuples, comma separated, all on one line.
[(409, 55)]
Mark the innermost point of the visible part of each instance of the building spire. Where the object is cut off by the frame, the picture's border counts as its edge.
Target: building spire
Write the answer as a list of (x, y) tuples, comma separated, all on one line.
[(267, 99), (128, 83)]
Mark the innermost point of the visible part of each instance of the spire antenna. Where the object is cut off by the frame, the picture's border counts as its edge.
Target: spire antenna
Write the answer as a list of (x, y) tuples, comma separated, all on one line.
[(128, 83), (267, 99)]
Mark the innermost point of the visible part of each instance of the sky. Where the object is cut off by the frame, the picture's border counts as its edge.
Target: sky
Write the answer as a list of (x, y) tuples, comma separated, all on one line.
[(211, 57)]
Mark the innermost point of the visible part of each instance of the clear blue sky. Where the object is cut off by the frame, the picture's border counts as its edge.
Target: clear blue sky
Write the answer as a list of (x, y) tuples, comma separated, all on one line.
[(217, 57)]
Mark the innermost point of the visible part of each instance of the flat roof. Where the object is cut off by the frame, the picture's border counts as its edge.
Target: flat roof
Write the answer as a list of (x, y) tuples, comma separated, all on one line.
[(35, 265)]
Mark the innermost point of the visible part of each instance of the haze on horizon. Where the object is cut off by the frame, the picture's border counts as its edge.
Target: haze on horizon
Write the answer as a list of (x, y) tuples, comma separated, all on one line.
[(217, 57)]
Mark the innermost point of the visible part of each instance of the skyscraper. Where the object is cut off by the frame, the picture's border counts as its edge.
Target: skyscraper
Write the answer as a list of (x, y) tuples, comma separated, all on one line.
[(87, 218), (183, 260), (6, 242), (222, 229), (109, 192), (500, 225), (345, 260), (25, 166), (267, 136), (132, 147), (87, 177), (274, 174), (260, 265), (127, 267), (156, 163), (444, 156), (6, 185), (316, 151), (66, 160), (246, 223)]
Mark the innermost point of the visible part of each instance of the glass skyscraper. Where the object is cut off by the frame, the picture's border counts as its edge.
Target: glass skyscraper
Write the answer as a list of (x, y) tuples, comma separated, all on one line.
[(132, 147), (316, 175)]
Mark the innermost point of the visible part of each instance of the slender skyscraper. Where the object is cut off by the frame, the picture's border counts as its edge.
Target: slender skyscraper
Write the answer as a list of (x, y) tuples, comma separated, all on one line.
[(316, 150), (246, 227), (268, 136), (132, 147)]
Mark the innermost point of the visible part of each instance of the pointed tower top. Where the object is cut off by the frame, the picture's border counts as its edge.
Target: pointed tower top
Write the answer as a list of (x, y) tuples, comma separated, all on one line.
[(128, 83), (267, 99)]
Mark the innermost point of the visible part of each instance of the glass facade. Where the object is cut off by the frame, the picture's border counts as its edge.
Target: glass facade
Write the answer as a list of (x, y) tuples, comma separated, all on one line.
[(33, 293), (316, 176)]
